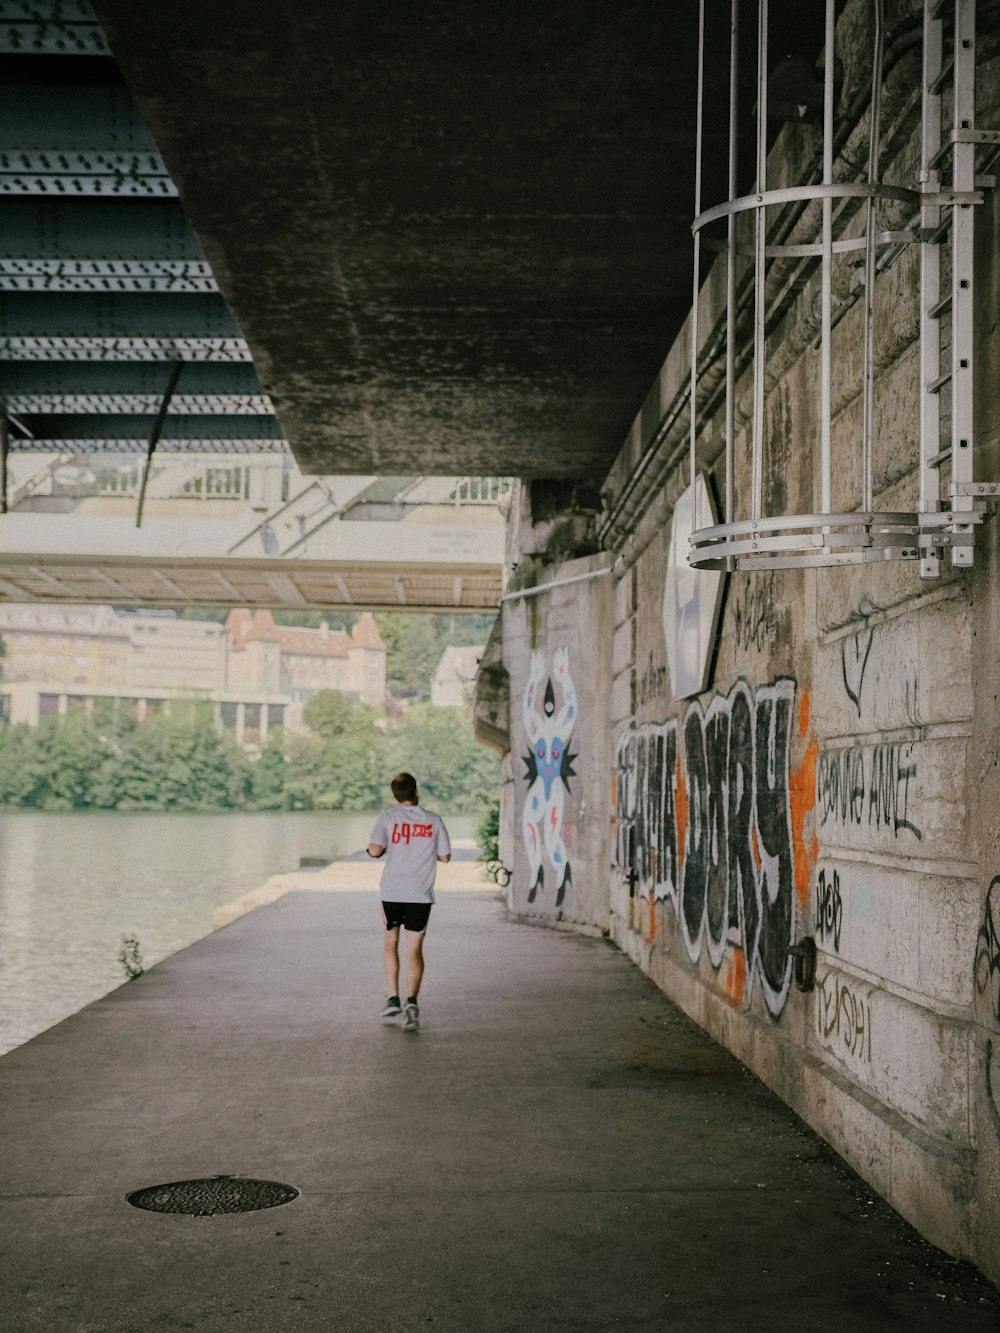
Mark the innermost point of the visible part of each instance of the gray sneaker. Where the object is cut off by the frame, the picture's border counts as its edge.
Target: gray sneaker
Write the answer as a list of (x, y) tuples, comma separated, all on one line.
[(412, 1020), (392, 1009)]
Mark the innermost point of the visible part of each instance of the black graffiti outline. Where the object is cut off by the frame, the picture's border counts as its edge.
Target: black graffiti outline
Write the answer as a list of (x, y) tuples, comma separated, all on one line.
[(829, 907), (991, 1093), (736, 766), (753, 612), (856, 778), (859, 665), (988, 949)]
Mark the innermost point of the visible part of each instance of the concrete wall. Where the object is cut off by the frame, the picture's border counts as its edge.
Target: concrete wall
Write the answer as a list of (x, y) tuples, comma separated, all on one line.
[(839, 778)]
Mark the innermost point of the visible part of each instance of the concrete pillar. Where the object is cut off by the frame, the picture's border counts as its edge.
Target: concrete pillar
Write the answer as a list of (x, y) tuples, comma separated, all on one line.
[(262, 731), (140, 710), (241, 721), (217, 715), (63, 705)]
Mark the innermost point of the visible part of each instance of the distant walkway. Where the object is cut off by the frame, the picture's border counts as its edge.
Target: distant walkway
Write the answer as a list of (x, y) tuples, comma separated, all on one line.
[(558, 1149), (351, 873)]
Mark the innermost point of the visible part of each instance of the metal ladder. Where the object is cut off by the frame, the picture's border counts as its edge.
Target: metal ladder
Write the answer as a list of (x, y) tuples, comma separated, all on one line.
[(948, 164)]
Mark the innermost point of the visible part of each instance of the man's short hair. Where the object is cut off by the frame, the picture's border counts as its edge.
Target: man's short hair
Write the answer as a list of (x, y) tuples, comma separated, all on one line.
[(404, 787)]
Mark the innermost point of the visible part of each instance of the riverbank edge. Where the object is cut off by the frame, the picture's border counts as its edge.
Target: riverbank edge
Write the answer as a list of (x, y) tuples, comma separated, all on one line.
[(350, 876)]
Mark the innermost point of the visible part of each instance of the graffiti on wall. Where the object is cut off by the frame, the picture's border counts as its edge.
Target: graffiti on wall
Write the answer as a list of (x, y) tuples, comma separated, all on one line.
[(843, 1016), (549, 716), (829, 908), (711, 817), (986, 973), (856, 650), (753, 613), (868, 784), (987, 968)]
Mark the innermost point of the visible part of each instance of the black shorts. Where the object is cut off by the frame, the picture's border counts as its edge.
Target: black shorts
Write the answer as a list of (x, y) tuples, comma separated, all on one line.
[(412, 916)]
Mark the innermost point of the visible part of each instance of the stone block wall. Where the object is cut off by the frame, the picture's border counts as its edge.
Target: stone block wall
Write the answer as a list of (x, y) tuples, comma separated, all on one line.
[(839, 778)]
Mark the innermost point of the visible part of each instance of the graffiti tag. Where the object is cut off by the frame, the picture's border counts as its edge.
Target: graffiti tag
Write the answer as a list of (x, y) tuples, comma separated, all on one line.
[(992, 1088), (987, 967), (854, 655), (829, 908), (872, 781), (843, 1016), (753, 613)]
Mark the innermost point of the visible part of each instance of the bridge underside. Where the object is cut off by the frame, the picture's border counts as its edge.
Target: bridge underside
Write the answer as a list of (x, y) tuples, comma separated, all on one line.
[(179, 581), (395, 239), (456, 238)]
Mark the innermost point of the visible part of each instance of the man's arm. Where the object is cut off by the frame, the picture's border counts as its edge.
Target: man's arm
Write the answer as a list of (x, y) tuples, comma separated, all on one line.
[(375, 850), (443, 847)]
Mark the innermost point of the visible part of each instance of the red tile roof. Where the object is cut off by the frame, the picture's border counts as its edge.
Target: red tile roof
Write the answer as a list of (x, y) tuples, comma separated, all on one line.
[(323, 642)]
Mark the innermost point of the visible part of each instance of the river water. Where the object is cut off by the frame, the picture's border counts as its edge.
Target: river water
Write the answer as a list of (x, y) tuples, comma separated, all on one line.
[(72, 885)]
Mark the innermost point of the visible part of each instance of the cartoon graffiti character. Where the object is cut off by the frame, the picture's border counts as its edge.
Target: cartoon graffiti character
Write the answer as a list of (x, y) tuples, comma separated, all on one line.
[(549, 768)]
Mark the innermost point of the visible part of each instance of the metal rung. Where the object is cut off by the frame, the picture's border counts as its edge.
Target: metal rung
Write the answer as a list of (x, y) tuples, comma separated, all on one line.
[(946, 72), (940, 308), (941, 155), (940, 458), (937, 385)]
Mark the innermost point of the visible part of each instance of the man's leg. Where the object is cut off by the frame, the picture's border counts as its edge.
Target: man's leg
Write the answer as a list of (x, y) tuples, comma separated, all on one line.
[(390, 960), (414, 961)]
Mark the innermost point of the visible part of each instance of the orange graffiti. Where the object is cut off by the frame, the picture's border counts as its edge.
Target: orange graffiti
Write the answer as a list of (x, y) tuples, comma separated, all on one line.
[(652, 919), (802, 792), (681, 812), (736, 977), (755, 847)]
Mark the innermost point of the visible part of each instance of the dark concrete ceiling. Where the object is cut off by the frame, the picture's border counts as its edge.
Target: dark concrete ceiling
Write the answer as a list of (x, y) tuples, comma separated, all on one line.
[(456, 236)]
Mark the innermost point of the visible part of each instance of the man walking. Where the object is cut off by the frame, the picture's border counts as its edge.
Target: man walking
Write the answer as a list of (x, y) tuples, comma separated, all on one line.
[(412, 840)]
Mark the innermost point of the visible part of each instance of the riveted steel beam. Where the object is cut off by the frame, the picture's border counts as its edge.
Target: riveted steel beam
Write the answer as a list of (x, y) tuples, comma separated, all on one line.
[(74, 173), (51, 28), (204, 444), (103, 275), (139, 404), (34, 348)]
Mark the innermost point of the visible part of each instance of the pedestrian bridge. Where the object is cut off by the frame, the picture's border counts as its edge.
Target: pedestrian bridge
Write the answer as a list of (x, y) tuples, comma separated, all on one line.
[(248, 530)]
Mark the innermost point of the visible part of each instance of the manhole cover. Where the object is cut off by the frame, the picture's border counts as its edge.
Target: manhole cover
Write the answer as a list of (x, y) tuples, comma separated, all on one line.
[(216, 1194)]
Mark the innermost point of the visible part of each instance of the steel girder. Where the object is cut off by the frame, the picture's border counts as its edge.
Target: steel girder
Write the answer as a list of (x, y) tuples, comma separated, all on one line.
[(102, 280)]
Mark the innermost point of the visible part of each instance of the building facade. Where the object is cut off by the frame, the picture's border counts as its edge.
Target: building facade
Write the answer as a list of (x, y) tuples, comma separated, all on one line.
[(256, 673)]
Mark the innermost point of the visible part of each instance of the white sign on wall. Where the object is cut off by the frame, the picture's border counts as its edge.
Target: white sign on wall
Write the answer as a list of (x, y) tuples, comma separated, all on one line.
[(692, 598)]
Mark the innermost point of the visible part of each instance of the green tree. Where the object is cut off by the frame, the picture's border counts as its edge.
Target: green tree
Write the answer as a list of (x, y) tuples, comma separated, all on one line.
[(438, 747), (330, 714), (68, 753), (20, 769), (266, 790), (415, 643)]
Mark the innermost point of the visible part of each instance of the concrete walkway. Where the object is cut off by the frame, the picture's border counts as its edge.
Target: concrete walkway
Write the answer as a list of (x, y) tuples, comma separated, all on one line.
[(557, 1149)]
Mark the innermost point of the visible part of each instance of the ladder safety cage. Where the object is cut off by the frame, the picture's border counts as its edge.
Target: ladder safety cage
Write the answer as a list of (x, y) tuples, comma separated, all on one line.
[(940, 209)]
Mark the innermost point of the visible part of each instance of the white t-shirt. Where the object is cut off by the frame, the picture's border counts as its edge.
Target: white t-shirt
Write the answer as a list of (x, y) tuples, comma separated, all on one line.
[(413, 839)]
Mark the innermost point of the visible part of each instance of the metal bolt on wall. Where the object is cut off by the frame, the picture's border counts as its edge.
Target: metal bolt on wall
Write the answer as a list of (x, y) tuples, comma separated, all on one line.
[(939, 206)]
